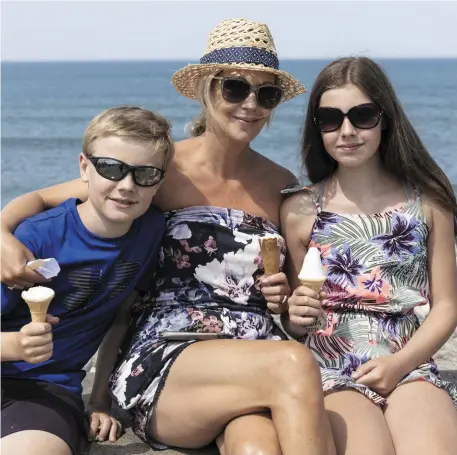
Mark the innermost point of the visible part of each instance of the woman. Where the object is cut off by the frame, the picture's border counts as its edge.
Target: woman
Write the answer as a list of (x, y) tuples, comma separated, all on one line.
[(220, 197), (383, 215)]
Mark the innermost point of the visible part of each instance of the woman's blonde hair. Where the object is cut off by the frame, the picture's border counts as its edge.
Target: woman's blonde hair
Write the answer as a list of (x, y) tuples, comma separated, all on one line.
[(131, 122)]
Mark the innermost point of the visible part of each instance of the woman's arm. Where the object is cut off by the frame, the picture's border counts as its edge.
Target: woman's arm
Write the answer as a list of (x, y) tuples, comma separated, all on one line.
[(38, 201), (107, 354), (14, 254), (442, 319), (102, 424)]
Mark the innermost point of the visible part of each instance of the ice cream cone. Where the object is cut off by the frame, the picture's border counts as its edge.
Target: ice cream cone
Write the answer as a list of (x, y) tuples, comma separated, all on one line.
[(271, 255), (314, 283), (38, 299)]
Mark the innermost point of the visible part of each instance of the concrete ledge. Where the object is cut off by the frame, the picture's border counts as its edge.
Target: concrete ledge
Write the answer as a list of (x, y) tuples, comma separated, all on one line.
[(129, 444)]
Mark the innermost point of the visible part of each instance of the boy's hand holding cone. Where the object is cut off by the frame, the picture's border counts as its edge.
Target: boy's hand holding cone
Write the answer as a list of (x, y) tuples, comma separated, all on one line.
[(35, 339)]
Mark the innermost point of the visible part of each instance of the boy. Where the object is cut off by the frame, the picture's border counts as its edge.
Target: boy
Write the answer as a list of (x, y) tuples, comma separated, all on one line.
[(106, 247)]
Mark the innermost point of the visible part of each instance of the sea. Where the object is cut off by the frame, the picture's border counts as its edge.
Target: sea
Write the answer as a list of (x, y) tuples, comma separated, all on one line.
[(46, 106)]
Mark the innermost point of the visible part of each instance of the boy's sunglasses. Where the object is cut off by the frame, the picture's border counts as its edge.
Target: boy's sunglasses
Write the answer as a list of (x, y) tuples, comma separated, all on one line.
[(236, 90), (115, 170), (363, 116)]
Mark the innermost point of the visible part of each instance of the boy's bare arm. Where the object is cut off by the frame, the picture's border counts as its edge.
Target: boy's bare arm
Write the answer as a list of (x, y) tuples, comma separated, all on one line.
[(10, 347)]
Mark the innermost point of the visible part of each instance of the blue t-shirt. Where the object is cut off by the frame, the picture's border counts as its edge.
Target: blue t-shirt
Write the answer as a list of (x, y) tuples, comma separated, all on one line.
[(97, 275)]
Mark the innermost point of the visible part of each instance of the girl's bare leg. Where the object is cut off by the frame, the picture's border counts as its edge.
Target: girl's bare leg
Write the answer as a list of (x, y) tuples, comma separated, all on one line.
[(422, 420), (358, 425), (213, 382)]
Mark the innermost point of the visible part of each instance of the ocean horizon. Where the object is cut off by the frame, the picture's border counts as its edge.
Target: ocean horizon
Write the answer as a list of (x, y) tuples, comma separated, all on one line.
[(46, 106)]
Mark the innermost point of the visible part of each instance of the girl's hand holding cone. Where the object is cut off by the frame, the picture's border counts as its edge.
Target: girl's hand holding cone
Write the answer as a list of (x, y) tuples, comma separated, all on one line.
[(305, 306)]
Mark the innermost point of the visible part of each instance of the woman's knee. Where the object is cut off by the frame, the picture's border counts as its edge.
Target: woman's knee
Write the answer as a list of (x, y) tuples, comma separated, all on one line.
[(295, 370), (294, 359)]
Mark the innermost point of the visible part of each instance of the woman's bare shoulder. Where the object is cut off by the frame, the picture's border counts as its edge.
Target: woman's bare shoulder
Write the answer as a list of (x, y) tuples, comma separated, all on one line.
[(274, 172), (186, 144)]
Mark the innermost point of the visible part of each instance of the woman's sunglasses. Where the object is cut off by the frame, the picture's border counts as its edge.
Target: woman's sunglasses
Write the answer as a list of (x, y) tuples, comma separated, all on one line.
[(116, 170), (363, 116), (236, 90)]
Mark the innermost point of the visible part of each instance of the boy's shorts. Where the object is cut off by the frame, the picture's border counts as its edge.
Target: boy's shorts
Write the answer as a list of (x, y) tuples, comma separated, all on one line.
[(38, 405)]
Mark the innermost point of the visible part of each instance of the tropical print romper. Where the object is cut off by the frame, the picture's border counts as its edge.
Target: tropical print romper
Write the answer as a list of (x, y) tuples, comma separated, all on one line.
[(207, 281), (377, 272)]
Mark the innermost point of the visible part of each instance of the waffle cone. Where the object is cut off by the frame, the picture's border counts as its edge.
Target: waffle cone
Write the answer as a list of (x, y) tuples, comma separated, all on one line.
[(271, 255), (314, 283), (38, 310)]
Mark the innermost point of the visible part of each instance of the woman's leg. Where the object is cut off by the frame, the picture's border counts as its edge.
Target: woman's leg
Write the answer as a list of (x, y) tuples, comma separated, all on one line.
[(358, 425), (252, 434), (213, 382), (422, 420)]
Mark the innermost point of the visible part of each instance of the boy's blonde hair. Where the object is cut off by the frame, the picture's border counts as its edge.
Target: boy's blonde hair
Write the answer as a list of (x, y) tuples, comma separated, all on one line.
[(131, 122)]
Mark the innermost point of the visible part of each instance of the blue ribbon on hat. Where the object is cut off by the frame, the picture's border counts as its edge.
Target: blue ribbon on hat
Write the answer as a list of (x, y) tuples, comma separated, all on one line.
[(242, 55)]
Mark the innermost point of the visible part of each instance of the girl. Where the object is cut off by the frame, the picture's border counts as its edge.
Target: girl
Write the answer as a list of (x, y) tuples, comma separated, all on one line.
[(383, 215), (220, 196)]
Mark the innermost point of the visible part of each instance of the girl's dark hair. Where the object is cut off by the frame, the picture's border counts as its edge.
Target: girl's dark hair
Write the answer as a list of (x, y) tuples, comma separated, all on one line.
[(402, 152)]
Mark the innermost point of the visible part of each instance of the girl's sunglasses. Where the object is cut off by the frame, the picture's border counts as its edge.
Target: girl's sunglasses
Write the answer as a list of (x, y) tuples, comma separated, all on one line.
[(236, 90), (363, 116), (112, 169)]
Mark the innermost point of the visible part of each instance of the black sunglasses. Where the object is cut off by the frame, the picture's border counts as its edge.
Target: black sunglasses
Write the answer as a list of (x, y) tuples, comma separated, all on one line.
[(116, 170), (363, 116), (235, 90)]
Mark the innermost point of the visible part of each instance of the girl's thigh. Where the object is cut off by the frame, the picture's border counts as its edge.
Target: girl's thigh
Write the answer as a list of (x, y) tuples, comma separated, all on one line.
[(422, 420), (358, 425)]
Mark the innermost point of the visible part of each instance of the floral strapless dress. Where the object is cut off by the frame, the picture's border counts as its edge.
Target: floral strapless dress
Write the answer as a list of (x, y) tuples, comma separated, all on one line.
[(207, 281)]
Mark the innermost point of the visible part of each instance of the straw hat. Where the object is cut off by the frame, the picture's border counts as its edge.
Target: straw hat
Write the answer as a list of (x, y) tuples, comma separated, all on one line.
[(237, 43)]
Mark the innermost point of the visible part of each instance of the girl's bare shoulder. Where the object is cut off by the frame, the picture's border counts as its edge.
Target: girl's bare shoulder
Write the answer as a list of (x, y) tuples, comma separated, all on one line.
[(300, 199)]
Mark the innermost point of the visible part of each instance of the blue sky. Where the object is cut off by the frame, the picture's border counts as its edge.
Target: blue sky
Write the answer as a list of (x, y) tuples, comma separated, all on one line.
[(147, 30)]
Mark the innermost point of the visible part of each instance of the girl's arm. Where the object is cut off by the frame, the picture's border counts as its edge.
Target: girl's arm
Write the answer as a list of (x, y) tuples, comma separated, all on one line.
[(297, 217), (442, 319), (14, 254)]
